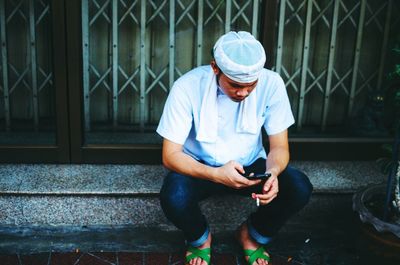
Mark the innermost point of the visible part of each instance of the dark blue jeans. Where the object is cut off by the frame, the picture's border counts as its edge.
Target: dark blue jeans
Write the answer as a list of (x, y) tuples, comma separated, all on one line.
[(180, 196)]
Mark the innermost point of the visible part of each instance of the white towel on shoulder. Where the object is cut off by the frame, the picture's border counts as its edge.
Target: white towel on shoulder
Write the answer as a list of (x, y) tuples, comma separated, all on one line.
[(247, 119), (208, 127)]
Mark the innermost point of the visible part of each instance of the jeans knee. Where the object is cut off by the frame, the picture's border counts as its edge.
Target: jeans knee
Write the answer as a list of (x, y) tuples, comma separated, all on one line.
[(302, 187), (174, 197)]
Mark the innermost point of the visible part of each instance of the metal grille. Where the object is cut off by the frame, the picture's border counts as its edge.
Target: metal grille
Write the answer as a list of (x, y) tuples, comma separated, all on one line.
[(134, 50), (331, 53), (26, 73)]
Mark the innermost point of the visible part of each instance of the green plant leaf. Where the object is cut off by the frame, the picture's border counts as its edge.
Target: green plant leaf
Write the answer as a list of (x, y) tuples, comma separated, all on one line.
[(388, 149)]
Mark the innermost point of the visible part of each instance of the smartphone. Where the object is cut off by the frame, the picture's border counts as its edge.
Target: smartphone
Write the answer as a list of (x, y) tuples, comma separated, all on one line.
[(262, 176)]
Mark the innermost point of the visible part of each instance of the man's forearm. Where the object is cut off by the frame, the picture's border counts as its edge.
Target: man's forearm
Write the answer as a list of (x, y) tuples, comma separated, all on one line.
[(184, 164), (278, 159)]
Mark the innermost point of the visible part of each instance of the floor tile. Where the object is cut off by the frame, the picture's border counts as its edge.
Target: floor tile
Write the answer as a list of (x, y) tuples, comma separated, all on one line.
[(126, 258), (156, 258), (69, 258), (35, 259), (108, 257), (223, 259), (176, 259), (90, 259), (282, 260), (9, 259)]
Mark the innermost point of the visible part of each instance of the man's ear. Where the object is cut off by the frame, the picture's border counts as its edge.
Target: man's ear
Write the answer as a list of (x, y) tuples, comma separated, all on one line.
[(215, 67)]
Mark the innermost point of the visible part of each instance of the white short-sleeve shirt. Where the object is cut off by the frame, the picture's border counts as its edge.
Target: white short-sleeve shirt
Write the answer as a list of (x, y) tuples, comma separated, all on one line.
[(180, 120)]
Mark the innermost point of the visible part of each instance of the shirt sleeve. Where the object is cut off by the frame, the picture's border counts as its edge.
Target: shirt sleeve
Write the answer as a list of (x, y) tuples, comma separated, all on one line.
[(279, 114), (177, 117)]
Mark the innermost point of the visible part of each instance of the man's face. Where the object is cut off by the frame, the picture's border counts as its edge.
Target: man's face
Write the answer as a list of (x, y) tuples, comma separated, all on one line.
[(234, 90)]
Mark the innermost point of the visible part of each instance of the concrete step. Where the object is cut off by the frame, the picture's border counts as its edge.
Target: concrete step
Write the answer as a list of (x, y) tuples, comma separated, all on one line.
[(128, 194), (95, 206), (326, 220), (42, 179)]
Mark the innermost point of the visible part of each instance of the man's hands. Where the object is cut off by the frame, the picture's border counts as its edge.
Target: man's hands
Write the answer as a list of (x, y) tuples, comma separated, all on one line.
[(277, 161), (269, 192), (229, 175)]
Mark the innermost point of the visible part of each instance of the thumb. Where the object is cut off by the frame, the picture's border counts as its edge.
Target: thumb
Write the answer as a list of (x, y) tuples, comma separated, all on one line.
[(267, 186), (238, 167)]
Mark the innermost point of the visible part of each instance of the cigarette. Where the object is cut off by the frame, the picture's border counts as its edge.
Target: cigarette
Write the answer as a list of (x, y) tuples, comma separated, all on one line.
[(258, 202)]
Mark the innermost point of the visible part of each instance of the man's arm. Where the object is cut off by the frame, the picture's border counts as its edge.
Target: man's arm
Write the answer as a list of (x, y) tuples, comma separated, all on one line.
[(278, 156), (277, 160), (176, 160)]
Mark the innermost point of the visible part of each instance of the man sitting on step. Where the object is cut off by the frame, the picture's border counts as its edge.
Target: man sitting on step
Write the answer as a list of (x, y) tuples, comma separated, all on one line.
[(211, 125)]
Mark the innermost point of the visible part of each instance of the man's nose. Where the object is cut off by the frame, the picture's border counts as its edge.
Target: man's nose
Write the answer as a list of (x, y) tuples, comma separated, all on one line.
[(242, 92)]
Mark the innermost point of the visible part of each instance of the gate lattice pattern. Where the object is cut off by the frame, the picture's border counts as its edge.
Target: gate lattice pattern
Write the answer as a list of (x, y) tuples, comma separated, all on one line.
[(145, 46), (26, 64), (332, 54), (329, 52)]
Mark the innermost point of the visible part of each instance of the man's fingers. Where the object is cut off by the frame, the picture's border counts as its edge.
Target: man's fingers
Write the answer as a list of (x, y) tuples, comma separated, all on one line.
[(267, 197), (237, 166), (269, 185), (253, 182), (268, 200), (246, 182)]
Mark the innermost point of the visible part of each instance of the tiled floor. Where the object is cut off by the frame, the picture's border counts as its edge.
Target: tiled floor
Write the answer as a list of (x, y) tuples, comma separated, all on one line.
[(352, 249), (322, 248), (116, 258)]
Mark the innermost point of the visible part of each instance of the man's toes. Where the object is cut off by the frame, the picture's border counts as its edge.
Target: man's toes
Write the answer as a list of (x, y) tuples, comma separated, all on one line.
[(197, 261), (261, 262)]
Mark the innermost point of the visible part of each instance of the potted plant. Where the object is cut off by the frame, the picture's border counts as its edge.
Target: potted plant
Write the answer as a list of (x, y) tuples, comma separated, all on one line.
[(379, 205)]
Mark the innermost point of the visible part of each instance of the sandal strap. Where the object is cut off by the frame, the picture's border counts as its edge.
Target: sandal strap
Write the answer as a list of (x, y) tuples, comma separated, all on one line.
[(256, 254), (204, 254)]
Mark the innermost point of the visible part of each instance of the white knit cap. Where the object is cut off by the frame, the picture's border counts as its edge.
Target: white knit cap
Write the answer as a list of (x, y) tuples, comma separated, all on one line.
[(239, 56)]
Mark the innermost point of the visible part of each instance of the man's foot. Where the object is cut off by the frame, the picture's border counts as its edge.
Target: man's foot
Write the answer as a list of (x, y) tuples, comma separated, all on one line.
[(199, 260), (250, 247)]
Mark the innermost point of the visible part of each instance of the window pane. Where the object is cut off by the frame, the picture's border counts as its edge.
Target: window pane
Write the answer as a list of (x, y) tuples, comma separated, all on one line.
[(335, 57), (128, 48), (27, 108)]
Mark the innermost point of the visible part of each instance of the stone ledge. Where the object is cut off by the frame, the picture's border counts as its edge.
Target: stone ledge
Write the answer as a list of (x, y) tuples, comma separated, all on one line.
[(318, 220), (146, 180)]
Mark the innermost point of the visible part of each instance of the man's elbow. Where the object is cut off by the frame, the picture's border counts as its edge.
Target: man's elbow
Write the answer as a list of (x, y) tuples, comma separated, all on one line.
[(169, 160), (166, 162), (170, 154)]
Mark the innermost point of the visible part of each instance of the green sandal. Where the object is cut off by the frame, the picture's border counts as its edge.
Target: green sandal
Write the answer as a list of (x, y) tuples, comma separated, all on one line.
[(204, 254), (256, 254)]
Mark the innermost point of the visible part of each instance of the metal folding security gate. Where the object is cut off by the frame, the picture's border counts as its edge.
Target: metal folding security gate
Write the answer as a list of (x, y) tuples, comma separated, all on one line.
[(332, 53), (124, 55), (33, 88), (134, 50), (26, 62), (329, 52)]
